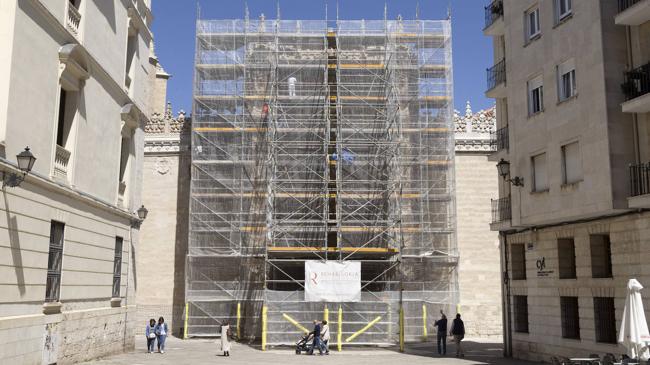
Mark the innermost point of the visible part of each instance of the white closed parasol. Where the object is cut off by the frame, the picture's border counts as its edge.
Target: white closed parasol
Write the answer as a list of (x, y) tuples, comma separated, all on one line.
[(634, 333)]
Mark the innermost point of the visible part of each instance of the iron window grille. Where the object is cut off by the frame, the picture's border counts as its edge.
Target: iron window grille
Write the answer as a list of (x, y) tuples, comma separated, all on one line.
[(605, 320), (570, 317), (117, 267), (520, 306), (54, 262), (567, 258), (601, 256), (518, 260)]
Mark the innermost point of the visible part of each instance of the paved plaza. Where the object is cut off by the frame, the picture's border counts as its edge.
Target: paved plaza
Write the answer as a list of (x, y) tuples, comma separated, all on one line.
[(202, 351)]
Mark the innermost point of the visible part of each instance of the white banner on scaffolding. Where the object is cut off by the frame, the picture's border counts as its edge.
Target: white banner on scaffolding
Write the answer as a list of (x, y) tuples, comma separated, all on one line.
[(332, 281)]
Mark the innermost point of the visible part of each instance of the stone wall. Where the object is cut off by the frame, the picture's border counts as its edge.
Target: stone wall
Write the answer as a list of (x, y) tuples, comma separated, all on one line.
[(479, 269)]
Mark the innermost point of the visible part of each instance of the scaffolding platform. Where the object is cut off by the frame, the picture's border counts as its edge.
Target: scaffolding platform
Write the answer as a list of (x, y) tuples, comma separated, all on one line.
[(321, 141)]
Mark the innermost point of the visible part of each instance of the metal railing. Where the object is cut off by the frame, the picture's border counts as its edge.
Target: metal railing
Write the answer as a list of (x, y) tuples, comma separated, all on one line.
[(500, 139), (624, 4), (501, 210), (496, 74), (73, 20), (640, 179), (637, 82), (493, 12)]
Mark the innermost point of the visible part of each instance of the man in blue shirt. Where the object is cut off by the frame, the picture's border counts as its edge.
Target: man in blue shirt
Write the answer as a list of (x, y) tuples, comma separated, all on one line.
[(316, 343)]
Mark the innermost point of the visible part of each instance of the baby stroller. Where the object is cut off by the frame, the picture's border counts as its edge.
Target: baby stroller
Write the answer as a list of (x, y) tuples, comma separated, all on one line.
[(305, 344)]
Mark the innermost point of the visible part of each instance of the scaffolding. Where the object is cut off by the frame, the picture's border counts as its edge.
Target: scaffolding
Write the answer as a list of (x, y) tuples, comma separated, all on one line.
[(312, 142)]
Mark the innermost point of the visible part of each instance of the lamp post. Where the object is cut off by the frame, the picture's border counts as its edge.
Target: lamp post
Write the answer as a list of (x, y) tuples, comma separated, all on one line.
[(504, 171), (25, 161)]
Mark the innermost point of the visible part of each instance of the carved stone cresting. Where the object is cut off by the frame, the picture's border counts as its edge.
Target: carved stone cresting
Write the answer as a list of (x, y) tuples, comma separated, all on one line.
[(167, 133), (475, 132)]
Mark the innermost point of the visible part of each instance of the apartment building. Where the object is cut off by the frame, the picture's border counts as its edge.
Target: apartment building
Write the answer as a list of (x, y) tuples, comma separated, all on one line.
[(74, 87), (570, 89)]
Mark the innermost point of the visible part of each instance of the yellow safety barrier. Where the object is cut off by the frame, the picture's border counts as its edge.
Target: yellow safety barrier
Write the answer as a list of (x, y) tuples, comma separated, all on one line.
[(238, 320), (401, 329), (364, 329), (326, 315), (187, 307), (424, 321), (264, 310), (295, 323), (339, 333)]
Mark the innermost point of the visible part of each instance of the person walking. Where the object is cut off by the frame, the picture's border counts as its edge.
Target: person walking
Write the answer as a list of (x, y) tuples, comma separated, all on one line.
[(441, 335), (292, 86), (458, 331), (226, 334), (161, 331), (325, 338), (316, 342), (150, 333)]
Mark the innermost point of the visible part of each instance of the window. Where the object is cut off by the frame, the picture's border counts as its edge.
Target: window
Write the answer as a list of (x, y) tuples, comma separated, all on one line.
[(125, 152), (117, 267), (520, 307), (563, 9), (570, 317), (518, 259), (566, 80), (539, 178), (605, 320), (601, 256), (131, 48), (55, 258), (535, 96), (566, 250), (571, 163), (67, 112), (532, 24), (75, 3)]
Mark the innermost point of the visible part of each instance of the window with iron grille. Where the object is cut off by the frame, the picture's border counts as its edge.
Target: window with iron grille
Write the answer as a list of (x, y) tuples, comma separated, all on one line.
[(520, 307), (54, 261), (518, 260), (117, 267), (570, 317), (567, 258), (601, 256), (605, 320)]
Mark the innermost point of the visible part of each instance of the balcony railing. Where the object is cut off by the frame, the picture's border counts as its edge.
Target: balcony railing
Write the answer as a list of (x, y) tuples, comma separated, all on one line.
[(624, 4), (73, 19), (500, 138), (493, 12), (637, 82), (640, 179), (501, 210), (496, 74), (61, 159)]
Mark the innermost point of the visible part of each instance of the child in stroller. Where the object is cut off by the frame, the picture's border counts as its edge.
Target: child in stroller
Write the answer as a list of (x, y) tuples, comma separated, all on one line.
[(305, 344)]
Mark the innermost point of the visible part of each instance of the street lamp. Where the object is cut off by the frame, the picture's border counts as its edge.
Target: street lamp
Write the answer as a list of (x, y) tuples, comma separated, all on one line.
[(142, 213), (504, 171), (25, 161)]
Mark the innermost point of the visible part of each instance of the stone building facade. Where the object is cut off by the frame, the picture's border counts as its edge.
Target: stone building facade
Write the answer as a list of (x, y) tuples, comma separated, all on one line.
[(476, 183), (571, 94), (74, 87), (166, 186)]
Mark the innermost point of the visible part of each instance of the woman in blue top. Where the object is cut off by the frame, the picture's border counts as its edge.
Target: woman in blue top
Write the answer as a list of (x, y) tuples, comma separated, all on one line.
[(150, 332), (161, 332)]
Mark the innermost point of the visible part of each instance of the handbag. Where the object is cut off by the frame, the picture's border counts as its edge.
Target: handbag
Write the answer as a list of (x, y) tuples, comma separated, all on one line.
[(152, 335)]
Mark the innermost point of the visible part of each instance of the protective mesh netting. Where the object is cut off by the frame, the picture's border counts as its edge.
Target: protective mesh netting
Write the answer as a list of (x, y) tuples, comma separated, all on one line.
[(317, 143)]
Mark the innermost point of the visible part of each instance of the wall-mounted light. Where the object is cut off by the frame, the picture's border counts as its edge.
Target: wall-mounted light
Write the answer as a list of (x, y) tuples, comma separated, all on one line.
[(504, 171), (25, 161), (142, 215)]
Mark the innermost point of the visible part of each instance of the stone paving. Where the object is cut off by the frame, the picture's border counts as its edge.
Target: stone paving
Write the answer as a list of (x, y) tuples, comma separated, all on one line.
[(202, 351)]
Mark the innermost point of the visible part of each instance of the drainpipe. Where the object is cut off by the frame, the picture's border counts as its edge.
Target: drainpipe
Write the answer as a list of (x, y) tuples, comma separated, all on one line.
[(505, 296)]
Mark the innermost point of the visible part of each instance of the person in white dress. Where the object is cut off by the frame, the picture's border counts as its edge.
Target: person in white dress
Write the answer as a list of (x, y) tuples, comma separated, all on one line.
[(226, 333), (292, 86)]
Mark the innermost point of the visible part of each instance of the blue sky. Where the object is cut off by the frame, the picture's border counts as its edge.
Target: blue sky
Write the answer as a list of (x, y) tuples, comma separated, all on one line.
[(174, 25)]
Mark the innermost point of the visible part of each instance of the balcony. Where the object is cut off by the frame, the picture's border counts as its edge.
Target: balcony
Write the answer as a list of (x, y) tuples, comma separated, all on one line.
[(639, 185), (494, 24), (501, 139), (636, 87), (61, 159), (501, 210), (73, 20), (496, 80), (632, 12)]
